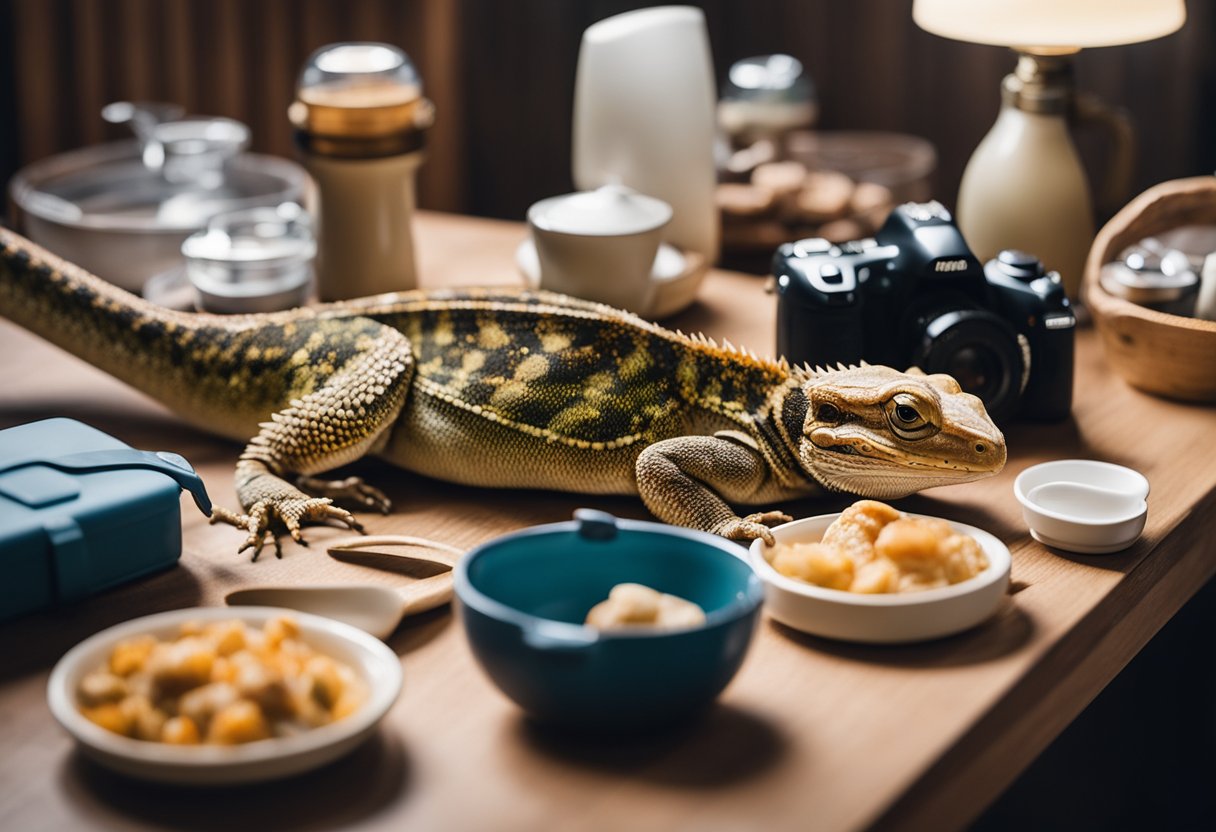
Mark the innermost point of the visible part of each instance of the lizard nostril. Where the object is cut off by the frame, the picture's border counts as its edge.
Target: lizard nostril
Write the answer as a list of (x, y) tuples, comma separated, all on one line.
[(979, 448)]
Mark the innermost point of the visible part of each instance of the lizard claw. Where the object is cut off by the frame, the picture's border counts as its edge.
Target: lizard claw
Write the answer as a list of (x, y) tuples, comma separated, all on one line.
[(351, 489), (753, 526), (290, 512)]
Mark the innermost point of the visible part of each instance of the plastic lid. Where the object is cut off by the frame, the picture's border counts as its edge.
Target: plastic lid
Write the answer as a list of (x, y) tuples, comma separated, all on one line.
[(608, 211)]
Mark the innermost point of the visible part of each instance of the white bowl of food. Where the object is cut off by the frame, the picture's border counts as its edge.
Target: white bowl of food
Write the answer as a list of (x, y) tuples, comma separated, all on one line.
[(216, 695), (941, 595)]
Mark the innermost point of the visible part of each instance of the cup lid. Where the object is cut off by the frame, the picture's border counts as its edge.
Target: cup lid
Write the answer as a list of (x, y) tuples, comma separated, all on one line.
[(612, 210)]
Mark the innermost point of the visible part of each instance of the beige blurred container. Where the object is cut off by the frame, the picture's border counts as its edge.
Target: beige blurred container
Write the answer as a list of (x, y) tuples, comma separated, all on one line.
[(361, 123)]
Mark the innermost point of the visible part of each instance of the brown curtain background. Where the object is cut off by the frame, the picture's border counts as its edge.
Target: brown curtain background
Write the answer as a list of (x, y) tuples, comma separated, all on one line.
[(502, 76)]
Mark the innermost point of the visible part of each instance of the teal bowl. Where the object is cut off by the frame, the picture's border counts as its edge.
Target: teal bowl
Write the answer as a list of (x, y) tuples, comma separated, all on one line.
[(523, 598)]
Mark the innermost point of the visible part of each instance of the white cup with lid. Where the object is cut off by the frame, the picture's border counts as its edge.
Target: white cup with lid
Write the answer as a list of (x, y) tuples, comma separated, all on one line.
[(600, 245)]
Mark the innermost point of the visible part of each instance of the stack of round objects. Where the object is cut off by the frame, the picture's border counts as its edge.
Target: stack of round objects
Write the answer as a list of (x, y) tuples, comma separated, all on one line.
[(782, 201), (812, 183)]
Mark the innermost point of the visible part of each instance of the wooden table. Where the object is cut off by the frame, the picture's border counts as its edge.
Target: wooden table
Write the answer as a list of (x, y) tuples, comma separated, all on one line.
[(811, 733)]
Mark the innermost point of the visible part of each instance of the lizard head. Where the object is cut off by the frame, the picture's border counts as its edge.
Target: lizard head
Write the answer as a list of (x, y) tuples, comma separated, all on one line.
[(877, 432)]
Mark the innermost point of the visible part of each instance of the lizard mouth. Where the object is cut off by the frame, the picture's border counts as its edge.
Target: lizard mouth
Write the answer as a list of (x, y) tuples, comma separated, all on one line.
[(904, 459)]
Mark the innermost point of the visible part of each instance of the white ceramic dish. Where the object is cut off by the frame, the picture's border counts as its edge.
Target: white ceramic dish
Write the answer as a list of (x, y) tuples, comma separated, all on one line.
[(881, 618), (378, 666), (1083, 505)]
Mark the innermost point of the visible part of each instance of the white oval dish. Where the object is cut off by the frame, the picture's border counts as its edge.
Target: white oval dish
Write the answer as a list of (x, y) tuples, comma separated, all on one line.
[(269, 759), (886, 618), (1082, 529)]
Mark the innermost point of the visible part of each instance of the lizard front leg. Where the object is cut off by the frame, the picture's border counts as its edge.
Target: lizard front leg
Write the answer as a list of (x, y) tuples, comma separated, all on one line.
[(349, 415), (687, 480)]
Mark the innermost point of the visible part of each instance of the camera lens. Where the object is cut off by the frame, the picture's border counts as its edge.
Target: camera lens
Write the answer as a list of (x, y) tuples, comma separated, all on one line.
[(980, 351)]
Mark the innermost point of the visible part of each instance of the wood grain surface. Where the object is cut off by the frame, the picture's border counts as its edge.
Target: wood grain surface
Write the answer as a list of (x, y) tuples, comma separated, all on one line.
[(811, 734)]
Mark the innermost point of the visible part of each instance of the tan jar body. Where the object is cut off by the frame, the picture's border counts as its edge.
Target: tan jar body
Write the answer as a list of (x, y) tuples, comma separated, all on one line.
[(363, 209)]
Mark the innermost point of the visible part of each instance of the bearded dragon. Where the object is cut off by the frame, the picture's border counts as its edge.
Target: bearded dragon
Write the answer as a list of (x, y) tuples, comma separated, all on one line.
[(509, 389)]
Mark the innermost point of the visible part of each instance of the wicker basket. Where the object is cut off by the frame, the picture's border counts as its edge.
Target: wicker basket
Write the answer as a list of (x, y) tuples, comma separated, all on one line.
[(1157, 352)]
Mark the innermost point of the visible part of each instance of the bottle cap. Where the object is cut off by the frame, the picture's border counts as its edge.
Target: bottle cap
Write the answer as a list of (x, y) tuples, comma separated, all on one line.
[(360, 99)]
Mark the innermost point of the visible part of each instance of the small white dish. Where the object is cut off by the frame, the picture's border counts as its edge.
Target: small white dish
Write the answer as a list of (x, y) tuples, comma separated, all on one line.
[(676, 276), (886, 618), (213, 765), (1083, 505)]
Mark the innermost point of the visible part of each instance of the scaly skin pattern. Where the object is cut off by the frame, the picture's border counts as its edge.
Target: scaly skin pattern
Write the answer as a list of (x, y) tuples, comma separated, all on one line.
[(499, 388)]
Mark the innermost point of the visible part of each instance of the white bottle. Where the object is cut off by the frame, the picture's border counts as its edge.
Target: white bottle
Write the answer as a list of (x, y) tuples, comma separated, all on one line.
[(644, 116)]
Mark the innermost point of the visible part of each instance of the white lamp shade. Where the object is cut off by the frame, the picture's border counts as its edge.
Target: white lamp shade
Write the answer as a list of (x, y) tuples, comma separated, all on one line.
[(1050, 23)]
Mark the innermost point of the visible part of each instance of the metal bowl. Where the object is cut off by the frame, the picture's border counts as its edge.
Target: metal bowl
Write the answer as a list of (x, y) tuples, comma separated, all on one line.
[(104, 209)]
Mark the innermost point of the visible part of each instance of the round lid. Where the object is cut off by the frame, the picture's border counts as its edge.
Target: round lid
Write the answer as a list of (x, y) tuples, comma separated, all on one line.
[(769, 77), (359, 90), (111, 186), (612, 210)]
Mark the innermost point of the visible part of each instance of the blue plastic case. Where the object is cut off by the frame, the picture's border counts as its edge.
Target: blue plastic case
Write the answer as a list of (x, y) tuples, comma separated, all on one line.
[(81, 512)]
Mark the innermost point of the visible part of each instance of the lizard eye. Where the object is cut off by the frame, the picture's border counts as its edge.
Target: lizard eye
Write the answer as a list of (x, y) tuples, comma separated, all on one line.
[(907, 417), (828, 413)]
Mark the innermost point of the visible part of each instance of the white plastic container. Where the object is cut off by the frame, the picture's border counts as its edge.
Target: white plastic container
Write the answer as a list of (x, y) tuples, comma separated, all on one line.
[(644, 116)]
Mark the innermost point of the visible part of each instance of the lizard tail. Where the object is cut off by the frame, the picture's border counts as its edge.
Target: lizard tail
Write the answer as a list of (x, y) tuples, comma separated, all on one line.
[(81, 313)]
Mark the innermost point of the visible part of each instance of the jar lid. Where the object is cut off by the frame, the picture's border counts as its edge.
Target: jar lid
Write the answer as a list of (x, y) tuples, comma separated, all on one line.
[(176, 176), (359, 91), (767, 94), (612, 210), (769, 77)]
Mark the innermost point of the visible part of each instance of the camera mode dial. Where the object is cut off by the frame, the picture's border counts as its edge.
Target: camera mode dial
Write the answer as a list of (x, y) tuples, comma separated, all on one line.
[(1020, 265)]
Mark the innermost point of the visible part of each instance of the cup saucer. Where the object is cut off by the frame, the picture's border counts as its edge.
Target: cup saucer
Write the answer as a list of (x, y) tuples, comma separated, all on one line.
[(677, 276)]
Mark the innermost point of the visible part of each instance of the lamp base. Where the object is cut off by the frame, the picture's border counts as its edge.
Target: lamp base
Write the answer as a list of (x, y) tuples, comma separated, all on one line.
[(1024, 187)]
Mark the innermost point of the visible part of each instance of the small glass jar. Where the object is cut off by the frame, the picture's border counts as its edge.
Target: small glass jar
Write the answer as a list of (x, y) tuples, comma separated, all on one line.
[(361, 123), (257, 260)]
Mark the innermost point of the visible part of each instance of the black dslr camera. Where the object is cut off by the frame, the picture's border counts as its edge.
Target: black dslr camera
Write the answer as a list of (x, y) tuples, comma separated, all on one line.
[(916, 296)]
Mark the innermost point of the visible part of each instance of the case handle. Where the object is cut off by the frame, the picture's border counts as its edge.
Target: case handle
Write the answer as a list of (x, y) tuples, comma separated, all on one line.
[(164, 462)]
